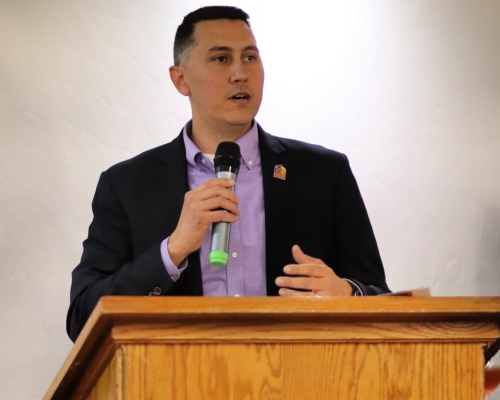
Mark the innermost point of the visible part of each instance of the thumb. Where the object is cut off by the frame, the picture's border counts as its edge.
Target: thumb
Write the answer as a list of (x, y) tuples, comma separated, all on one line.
[(301, 258)]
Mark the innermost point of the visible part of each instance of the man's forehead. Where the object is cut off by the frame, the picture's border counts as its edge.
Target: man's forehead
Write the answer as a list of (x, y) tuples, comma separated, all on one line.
[(224, 33)]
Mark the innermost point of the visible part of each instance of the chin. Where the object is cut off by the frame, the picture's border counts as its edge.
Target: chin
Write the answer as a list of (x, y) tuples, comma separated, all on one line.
[(241, 120), (239, 123)]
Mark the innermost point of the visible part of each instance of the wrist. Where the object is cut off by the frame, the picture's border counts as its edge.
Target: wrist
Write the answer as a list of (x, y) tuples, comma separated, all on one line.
[(177, 255)]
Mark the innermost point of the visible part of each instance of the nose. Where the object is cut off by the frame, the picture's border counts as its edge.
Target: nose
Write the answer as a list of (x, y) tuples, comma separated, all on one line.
[(238, 72)]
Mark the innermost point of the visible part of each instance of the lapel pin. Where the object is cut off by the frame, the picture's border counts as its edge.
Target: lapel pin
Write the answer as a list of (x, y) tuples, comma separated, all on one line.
[(279, 172)]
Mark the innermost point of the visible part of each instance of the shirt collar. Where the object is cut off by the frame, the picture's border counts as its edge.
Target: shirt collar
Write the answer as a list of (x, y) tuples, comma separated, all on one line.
[(249, 148)]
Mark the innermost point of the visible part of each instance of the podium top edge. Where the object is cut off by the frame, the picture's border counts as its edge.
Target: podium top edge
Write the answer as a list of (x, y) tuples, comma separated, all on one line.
[(334, 306)]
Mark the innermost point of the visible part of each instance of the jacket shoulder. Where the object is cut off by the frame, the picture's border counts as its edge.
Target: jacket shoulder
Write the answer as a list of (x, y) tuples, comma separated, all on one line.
[(306, 152), (297, 146), (148, 159)]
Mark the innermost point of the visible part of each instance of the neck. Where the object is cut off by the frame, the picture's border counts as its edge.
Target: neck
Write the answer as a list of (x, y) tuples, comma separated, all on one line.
[(207, 138)]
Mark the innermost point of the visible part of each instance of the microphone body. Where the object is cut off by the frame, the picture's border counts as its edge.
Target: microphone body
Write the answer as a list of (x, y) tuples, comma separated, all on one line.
[(227, 163)]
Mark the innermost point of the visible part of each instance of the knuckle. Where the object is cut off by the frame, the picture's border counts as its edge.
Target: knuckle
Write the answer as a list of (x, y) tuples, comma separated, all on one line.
[(189, 198)]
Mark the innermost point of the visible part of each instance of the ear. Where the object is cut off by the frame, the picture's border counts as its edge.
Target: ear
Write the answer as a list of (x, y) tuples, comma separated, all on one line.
[(177, 74)]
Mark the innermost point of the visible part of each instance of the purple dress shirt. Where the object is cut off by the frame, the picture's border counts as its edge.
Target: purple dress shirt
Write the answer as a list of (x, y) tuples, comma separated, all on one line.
[(245, 273)]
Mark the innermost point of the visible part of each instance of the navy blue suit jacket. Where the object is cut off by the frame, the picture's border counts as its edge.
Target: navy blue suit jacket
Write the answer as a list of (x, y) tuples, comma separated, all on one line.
[(138, 202)]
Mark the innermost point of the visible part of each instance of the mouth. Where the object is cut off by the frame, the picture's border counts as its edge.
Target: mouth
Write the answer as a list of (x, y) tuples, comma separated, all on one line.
[(240, 97)]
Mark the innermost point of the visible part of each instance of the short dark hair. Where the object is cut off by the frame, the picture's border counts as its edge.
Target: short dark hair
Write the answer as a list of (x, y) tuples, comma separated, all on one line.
[(184, 37)]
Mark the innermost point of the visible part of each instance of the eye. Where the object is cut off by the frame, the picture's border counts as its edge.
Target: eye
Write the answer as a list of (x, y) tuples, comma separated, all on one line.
[(250, 57), (220, 59)]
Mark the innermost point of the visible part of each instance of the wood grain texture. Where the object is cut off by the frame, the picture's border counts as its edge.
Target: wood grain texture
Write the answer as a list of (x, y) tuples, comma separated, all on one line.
[(81, 375), (91, 372), (304, 371), (94, 347), (258, 321), (110, 384), (312, 331)]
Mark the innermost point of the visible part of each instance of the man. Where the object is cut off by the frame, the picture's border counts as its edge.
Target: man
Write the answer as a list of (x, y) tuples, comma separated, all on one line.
[(153, 214)]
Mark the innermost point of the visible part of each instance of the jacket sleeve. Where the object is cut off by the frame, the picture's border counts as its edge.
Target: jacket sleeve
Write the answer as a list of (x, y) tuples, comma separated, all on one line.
[(108, 265), (355, 247)]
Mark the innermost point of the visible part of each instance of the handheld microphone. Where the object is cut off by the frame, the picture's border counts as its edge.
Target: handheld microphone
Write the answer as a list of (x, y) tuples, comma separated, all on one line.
[(227, 163)]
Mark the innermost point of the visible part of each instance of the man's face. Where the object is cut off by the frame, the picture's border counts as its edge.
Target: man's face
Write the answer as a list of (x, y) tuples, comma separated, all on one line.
[(224, 74)]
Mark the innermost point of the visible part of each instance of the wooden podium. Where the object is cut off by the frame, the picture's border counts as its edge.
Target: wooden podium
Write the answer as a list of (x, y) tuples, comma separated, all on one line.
[(135, 348)]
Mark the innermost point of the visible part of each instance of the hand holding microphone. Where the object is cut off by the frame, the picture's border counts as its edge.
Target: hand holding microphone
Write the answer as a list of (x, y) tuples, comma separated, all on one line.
[(227, 163), (208, 203)]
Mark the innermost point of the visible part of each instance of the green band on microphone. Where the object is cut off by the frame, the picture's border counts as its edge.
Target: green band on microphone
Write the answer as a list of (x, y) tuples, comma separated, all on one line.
[(218, 258)]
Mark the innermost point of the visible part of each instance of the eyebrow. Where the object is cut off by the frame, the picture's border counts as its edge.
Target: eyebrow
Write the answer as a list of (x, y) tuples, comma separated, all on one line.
[(227, 48)]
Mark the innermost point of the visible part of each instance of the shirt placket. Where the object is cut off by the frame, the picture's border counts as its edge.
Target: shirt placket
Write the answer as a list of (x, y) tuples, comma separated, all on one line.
[(234, 269)]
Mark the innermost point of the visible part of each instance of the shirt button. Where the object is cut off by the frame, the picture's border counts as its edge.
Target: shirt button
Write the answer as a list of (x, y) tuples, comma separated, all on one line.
[(203, 161), (236, 295), (234, 254), (250, 162)]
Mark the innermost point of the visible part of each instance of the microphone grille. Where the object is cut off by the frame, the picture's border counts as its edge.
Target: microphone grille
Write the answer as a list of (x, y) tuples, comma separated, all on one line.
[(227, 153), (228, 149)]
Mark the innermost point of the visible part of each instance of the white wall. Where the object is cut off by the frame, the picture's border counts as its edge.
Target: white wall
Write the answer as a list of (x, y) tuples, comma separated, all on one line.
[(410, 91)]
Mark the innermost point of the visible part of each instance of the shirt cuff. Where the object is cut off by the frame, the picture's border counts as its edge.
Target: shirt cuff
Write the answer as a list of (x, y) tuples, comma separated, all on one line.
[(356, 290), (172, 270)]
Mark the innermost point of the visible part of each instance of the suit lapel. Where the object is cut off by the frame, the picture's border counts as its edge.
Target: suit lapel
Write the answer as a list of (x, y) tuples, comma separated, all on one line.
[(275, 204), (173, 185)]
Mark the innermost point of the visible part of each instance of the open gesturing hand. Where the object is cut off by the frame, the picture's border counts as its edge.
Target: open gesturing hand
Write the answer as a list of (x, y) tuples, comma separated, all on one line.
[(313, 275)]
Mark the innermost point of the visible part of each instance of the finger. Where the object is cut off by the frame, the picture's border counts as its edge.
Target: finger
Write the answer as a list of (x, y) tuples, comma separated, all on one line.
[(301, 258), (312, 270), (295, 293), (221, 216), (296, 282), (198, 200), (217, 203), (216, 191)]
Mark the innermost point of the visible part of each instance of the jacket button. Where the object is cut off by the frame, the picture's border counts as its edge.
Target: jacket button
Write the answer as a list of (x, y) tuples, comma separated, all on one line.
[(156, 292)]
